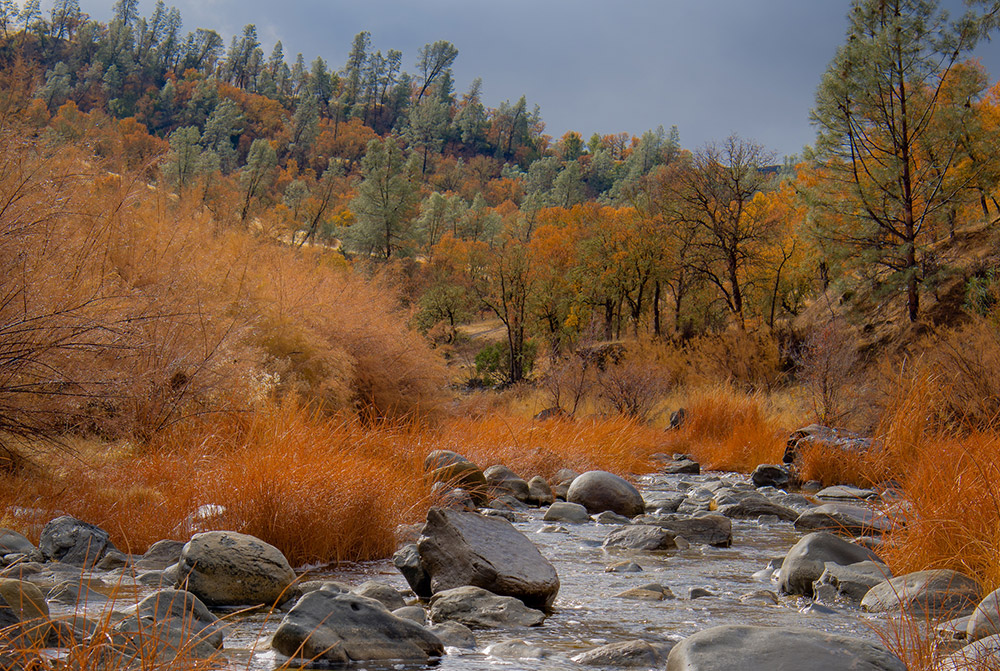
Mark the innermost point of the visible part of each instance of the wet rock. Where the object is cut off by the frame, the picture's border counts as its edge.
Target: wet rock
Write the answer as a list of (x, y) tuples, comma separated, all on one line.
[(173, 609), (698, 593), (76, 593), (764, 597), (225, 568), (517, 649), (714, 530), (454, 635), (608, 517), (627, 654), (562, 511), (387, 595), (846, 493), (72, 541), (626, 566), (664, 505), (681, 467), (502, 480), (826, 437), (752, 506), (985, 619), (328, 585), (112, 560), (339, 628), (854, 580), (160, 555), (934, 593), (480, 609), (539, 492), (768, 648), (771, 475), (807, 560), (844, 519), (11, 542), (24, 614), (641, 537), (598, 491), (412, 613), (455, 470), (407, 560), (649, 592), (459, 549)]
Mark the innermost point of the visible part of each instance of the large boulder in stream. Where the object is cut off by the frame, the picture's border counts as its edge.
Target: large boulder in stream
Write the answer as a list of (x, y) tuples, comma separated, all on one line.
[(598, 491), (225, 568), (775, 649), (327, 627), (71, 541), (459, 549), (808, 559), (934, 593)]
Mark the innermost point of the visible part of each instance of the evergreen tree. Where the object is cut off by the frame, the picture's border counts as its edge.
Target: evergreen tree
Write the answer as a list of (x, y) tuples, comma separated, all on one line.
[(257, 175), (388, 192)]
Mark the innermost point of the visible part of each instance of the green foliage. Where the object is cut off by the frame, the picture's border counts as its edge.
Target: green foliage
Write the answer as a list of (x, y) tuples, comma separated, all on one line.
[(493, 362)]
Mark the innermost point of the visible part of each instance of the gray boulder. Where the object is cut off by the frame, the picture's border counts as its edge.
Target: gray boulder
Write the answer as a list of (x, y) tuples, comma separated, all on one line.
[(714, 530), (225, 568), (385, 594), (160, 555), (412, 613), (641, 537), (480, 609), (11, 542), (772, 648), (934, 593), (853, 581), (458, 549), (683, 466), (627, 654), (752, 507), (407, 560), (71, 541), (173, 609), (846, 493), (455, 470), (598, 491), (985, 619), (976, 656), (501, 480), (454, 635), (771, 475), (339, 628), (563, 511), (539, 492), (806, 561), (515, 649), (844, 519)]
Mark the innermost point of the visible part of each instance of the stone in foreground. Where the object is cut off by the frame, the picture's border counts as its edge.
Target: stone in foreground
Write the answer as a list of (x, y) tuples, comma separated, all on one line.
[(777, 649), (459, 549), (338, 628), (479, 609), (225, 568)]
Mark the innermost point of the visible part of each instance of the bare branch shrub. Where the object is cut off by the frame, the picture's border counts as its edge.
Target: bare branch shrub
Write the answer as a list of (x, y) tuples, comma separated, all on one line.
[(828, 368), (633, 386), (568, 381), (751, 360)]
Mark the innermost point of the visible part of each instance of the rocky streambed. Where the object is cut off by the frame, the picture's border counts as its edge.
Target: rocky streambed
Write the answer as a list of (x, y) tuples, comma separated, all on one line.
[(696, 578)]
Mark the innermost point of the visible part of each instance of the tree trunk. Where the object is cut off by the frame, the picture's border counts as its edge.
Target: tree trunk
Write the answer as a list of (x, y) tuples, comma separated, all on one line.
[(656, 309)]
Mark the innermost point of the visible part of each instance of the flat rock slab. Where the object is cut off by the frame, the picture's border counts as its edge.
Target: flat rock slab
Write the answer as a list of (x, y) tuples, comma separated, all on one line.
[(753, 507), (331, 627), (806, 561), (641, 537), (934, 593), (225, 568), (846, 493), (459, 549), (844, 519), (714, 530), (777, 649), (479, 609)]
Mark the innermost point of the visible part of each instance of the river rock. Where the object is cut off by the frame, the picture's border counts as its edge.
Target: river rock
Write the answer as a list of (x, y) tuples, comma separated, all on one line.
[(480, 609), (539, 492), (459, 549), (934, 593), (24, 600), (412, 613), (664, 504), (454, 635), (11, 542), (225, 568), (502, 480), (160, 555), (844, 519), (976, 656), (653, 591), (752, 507), (854, 580), (455, 470), (829, 438), (985, 619), (338, 628), (683, 466), (598, 491), (76, 593), (407, 560), (608, 517), (517, 649), (769, 648), (641, 537), (846, 493), (563, 511), (714, 530), (806, 561), (624, 566), (771, 475), (173, 609), (627, 654), (387, 595), (71, 541)]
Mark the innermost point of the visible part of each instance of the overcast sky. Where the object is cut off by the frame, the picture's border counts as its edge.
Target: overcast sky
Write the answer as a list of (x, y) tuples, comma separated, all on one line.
[(711, 67)]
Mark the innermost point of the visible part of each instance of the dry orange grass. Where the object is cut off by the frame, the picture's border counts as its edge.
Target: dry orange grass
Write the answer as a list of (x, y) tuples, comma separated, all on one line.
[(730, 430)]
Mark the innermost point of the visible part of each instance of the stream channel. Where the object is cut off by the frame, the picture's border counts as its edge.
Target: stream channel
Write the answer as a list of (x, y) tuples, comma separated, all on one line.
[(587, 613)]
